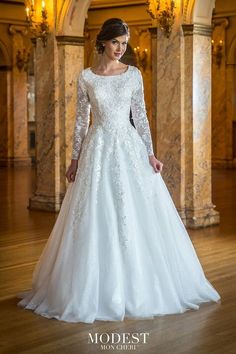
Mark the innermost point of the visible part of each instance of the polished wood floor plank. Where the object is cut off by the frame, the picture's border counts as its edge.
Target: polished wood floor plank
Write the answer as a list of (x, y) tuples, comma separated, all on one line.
[(211, 329)]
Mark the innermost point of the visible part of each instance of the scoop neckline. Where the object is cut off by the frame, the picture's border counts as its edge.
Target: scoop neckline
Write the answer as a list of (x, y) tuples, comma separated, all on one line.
[(128, 67)]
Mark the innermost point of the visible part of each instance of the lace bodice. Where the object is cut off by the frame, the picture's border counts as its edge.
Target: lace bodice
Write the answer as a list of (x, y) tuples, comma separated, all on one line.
[(110, 99)]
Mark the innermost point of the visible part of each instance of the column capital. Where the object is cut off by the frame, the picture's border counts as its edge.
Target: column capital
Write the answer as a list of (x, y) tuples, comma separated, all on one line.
[(71, 40), (13, 29), (220, 21), (195, 28)]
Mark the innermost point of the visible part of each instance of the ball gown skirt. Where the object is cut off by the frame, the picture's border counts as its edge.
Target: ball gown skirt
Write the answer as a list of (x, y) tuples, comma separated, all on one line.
[(118, 248)]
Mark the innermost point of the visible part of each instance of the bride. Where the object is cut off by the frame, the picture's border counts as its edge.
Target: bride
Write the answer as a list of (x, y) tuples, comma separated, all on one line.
[(118, 248)]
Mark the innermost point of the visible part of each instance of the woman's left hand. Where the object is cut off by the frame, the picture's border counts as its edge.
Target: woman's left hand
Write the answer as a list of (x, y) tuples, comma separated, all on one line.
[(156, 164)]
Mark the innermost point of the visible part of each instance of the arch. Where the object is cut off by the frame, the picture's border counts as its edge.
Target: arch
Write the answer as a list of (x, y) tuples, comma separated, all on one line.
[(188, 10), (198, 11), (71, 17), (72, 14)]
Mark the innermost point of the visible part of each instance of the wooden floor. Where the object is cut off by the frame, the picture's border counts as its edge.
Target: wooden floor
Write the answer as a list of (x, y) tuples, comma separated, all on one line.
[(211, 329)]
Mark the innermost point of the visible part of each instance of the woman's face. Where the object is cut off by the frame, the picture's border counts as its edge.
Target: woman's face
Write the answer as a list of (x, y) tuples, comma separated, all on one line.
[(116, 47)]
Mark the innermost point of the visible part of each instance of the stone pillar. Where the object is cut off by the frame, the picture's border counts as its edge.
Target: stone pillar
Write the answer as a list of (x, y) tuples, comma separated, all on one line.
[(47, 128), (71, 62), (18, 136), (184, 120), (196, 128), (169, 115), (57, 67), (153, 31)]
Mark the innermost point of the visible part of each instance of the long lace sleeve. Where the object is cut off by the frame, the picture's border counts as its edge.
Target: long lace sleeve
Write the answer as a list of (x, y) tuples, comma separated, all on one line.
[(82, 117), (139, 114)]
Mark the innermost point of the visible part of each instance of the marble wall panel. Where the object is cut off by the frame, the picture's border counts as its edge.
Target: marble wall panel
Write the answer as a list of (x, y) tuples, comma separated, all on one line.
[(56, 98), (168, 128), (47, 126), (71, 59), (19, 153)]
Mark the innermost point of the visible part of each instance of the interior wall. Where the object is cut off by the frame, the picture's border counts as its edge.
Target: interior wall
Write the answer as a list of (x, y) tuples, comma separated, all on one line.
[(224, 84), (14, 141), (3, 110), (5, 107)]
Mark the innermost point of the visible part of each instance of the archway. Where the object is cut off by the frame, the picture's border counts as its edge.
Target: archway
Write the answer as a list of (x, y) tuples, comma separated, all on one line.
[(198, 11), (71, 18)]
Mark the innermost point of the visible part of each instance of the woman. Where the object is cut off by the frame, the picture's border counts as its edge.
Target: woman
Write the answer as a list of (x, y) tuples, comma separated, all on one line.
[(118, 248)]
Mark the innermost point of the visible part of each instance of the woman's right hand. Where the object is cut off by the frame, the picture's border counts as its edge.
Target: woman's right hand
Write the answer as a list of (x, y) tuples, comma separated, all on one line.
[(71, 172)]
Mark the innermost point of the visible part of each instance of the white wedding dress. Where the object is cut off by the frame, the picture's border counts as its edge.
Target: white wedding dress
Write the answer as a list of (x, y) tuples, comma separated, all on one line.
[(118, 248)]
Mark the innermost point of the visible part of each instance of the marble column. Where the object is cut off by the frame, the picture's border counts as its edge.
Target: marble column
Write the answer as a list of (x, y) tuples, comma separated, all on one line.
[(71, 62), (18, 127), (47, 127), (196, 129), (57, 67), (153, 31), (169, 144), (184, 120)]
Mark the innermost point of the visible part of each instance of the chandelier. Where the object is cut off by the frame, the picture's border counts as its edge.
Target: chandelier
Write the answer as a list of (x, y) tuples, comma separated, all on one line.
[(40, 28), (164, 15)]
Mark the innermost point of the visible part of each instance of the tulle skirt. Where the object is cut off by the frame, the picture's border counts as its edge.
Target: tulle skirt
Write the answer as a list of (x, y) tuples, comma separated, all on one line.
[(118, 248)]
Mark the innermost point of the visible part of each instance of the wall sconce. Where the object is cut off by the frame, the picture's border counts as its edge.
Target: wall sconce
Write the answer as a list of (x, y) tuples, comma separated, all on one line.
[(22, 59), (217, 51), (165, 17), (141, 57), (38, 29)]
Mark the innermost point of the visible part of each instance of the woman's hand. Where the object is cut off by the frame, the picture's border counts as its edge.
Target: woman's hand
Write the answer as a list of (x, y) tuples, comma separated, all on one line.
[(156, 164), (71, 172)]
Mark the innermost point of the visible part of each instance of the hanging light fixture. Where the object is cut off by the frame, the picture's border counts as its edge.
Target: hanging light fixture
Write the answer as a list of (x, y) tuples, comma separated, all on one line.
[(38, 29), (164, 15)]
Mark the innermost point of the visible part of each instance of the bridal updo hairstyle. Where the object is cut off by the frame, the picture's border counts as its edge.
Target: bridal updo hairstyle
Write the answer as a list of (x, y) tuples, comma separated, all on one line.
[(114, 27)]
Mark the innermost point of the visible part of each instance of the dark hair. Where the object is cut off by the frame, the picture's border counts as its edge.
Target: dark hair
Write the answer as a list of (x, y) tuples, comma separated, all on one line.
[(111, 28)]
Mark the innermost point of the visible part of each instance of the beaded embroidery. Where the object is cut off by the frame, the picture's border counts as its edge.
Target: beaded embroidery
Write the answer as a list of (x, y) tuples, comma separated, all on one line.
[(110, 99)]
